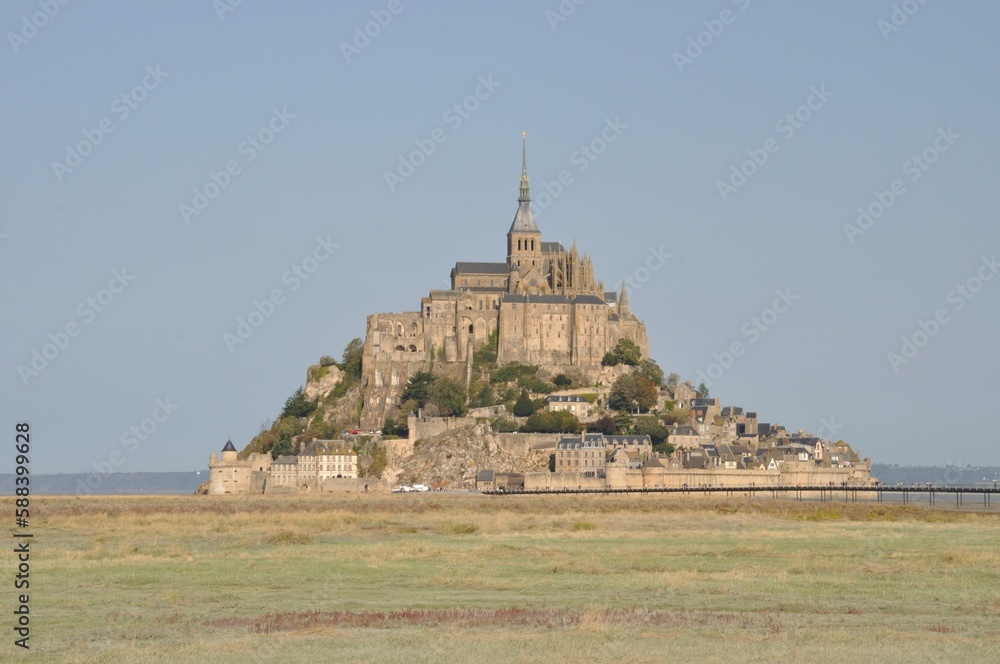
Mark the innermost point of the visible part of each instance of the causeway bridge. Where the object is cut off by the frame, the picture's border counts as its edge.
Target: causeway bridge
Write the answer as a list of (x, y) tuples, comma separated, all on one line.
[(909, 494)]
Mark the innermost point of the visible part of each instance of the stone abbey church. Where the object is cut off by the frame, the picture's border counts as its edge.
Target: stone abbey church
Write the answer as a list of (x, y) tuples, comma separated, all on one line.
[(543, 301)]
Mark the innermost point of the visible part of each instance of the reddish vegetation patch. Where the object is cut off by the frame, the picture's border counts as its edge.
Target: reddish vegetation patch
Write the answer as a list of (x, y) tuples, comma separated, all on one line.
[(510, 617)]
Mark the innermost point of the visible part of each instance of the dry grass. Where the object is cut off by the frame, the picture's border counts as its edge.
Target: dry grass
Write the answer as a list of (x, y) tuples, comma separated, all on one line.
[(513, 579)]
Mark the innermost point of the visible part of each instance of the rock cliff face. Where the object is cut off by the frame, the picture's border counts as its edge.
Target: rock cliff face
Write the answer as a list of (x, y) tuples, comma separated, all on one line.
[(453, 458), (317, 389)]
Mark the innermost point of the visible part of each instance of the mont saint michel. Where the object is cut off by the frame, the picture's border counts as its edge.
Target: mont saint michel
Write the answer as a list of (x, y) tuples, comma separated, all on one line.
[(526, 374)]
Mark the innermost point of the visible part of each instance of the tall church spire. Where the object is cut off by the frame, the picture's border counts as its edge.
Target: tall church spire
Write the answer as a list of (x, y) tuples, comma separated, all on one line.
[(524, 220), (524, 197)]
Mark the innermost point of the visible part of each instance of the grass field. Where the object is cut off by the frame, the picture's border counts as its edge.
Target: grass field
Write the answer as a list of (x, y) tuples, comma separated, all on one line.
[(432, 578)]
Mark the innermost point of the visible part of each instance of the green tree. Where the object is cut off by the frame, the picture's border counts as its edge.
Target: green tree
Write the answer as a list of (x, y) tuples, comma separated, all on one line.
[(280, 448), (623, 422), (664, 448), (557, 422), (353, 352), (535, 384), (627, 352), (418, 388), (633, 393), (702, 391), (647, 425), (676, 416), (298, 405), (672, 381), (448, 397), (326, 361), (651, 370), (604, 424), (562, 380), (389, 427), (609, 359), (524, 407), (503, 425), (481, 395), (379, 461)]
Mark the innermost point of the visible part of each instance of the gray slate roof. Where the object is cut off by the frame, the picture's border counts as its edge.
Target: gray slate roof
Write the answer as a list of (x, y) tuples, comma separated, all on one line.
[(481, 268), (524, 221), (629, 440), (552, 299), (229, 447), (485, 475), (549, 247)]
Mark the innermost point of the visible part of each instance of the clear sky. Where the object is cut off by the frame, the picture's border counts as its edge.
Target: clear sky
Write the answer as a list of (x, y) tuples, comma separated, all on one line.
[(714, 153)]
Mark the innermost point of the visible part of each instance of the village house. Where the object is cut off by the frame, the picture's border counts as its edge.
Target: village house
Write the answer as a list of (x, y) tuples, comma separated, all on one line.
[(573, 403), (582, 454), (683, 436), (319, 463)]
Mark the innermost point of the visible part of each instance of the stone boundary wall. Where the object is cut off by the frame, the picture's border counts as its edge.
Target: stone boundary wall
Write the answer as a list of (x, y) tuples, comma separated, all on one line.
[(653, 478), (331, 485), (428, 427), (522, 444)]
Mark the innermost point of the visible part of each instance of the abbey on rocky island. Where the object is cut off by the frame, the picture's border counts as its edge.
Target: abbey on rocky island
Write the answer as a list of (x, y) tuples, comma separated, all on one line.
[(543, 303)]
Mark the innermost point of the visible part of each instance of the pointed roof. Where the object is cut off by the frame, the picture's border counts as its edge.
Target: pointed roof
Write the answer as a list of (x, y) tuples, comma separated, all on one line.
[(229, 447), (524, 221)]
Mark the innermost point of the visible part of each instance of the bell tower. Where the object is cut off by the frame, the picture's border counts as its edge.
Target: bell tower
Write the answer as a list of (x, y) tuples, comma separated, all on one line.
[(524, 240)]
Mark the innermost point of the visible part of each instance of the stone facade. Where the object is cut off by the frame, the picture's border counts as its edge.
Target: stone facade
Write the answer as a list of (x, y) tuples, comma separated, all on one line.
[(543, 303), (231, 474), (572, 403), (322, 465), (315, 463)]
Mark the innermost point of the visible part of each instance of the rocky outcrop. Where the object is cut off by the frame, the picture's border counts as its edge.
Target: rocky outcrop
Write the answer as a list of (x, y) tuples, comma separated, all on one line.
[(453, 458), (328, 378)]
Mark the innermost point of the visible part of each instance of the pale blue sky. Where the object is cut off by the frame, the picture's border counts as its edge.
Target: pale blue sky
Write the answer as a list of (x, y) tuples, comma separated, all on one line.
[(323, 175)]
